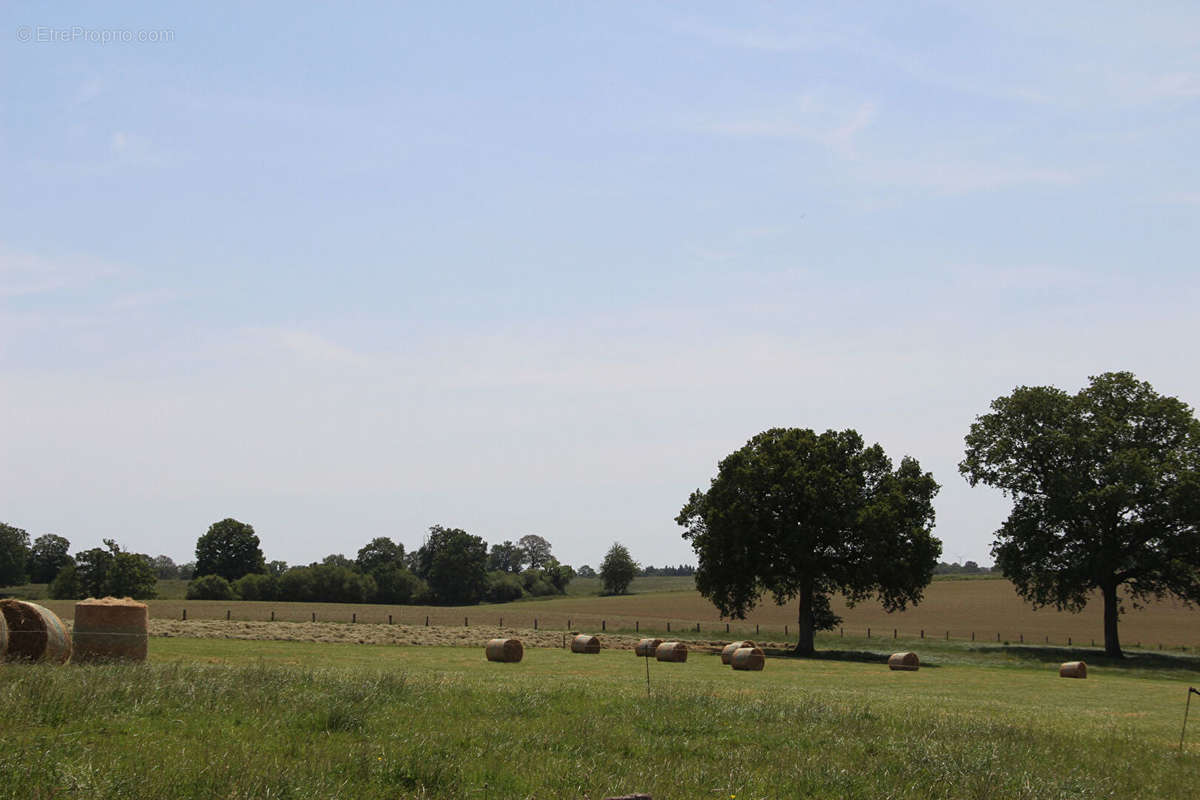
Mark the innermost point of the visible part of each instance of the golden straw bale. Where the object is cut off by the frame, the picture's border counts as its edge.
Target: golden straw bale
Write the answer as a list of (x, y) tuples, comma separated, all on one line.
[(675, 652), (111, 629), (585, 643), (508, 651), (728, 650), (34, 633), (748, 658), (1073, 669), (646, 647), (906, 662)]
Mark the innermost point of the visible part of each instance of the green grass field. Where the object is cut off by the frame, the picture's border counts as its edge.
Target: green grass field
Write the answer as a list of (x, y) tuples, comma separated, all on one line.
[(235, 719)]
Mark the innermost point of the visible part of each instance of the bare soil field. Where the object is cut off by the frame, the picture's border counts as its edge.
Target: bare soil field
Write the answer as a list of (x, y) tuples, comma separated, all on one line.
[(987, 609)]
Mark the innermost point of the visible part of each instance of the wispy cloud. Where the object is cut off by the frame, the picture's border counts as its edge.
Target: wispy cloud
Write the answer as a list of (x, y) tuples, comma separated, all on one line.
[(23, 273)]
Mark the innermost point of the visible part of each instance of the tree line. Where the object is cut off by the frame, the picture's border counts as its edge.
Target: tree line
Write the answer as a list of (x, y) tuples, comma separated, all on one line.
[(451, 567)]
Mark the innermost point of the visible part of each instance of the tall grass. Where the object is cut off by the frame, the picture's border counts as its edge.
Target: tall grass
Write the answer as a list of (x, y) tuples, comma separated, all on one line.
[(441, 722)]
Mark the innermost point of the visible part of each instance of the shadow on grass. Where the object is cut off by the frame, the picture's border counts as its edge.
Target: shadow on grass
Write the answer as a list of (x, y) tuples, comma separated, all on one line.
[(1095, 657), (859, 656)]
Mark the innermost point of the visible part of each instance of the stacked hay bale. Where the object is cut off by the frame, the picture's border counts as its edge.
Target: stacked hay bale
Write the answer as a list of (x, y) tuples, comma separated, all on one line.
[(904, 662), (585, 643), (646, 647), (34, 633), (111, 629), (673, 652), (1073, 669), (748, 658), (728, 650), (507, 651)]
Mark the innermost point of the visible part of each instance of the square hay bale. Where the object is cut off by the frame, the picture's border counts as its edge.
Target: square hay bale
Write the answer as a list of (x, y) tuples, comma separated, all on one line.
[(34, 633), (646, 647), (585, 643), (1072, 669), (507, 651), (111, 629), (904, 662), (673, 652), (728, 650), (748, 658)]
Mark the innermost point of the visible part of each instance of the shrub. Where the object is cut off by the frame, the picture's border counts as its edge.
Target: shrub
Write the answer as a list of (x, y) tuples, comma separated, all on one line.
[(210, 587), (256, 586), (504, 587), (397, 585)]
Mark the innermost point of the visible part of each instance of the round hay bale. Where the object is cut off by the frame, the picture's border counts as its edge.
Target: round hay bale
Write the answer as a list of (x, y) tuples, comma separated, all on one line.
[(111, 629), (646, 647), (674, 652), (906, 662), (508, 651), (34, 633), (1073, 669), (728, 650), (585, 643), (748, 658)]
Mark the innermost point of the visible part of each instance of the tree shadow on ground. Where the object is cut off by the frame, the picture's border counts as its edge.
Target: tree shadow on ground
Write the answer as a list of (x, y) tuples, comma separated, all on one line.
[(859, 656), (1095, 657)]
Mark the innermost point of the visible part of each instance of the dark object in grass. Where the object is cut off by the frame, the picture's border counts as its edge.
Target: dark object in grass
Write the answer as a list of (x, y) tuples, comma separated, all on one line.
[(508, 651), (646, 647), (673, 652), (631, 797), (111, 629), (3, 637), (1073, 669), (728, 650), (584, 643), (748, 658), (905, 662), (34, 633)]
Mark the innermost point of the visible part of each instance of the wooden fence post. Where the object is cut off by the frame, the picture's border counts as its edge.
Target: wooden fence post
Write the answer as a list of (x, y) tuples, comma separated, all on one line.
[(389, 619), (314, 616), (868, 633), (185, 615), (272, 616), (354, 617), (227, 615)]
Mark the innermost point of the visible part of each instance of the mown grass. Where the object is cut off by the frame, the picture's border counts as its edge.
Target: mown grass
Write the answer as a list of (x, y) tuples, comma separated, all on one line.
[(293, 720)]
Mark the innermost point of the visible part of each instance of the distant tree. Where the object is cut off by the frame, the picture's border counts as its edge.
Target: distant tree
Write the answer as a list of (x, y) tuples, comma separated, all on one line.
[(187, 571), (454, 564), (14, 555), (48, 555), (129, 574), (506, 557), (585, 572), (105, 572), (276, 568), (210, 587), (229, 549), (377, 553), (617, 570), (536, 549), (91, 570), (165, 568), (65, 585), (338, 560), (797, 513), (1105, 487)]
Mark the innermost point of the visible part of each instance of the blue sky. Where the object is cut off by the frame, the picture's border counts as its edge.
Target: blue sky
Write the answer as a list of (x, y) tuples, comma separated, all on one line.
[(346, 272)]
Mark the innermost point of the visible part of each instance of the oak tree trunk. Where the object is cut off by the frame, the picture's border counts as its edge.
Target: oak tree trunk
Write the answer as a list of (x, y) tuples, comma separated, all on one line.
[(805, 643), (1112, 642)]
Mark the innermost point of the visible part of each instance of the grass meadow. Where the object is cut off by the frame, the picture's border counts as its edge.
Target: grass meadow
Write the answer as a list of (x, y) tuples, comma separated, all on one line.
[(264, 719)]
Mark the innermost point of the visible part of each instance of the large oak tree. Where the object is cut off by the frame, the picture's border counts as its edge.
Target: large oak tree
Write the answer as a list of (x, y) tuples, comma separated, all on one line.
[(1106, 494), (801, 514)]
